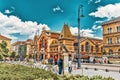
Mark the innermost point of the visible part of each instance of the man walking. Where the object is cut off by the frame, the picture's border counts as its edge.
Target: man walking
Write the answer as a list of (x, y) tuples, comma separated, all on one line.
[(60, 64), (70, 65)]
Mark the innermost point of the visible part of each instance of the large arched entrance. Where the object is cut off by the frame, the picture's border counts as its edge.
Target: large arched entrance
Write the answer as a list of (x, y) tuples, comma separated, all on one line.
[(43, 48)]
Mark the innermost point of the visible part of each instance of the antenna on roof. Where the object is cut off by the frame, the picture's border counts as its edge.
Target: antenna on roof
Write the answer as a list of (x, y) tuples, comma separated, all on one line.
[(37, 32), (43, 28)]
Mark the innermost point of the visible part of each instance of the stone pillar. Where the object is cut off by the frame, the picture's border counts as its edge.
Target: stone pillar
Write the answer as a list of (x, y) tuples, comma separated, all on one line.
[(65, 64)]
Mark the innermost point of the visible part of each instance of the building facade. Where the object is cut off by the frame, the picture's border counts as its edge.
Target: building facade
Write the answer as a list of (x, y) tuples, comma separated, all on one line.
[(7, 40), (111, 36), (29, 49), (89, 47), (16, 45), (51, 44)]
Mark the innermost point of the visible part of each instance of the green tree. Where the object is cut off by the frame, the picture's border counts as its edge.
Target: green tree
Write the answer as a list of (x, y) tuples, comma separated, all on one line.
[(12, 55), (17, 56), (22, 51), (104, 53), (30, 56), (3, 49)]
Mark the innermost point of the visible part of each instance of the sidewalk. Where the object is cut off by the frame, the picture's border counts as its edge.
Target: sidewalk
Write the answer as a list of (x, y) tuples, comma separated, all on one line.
[(92, 72), (98, 64)]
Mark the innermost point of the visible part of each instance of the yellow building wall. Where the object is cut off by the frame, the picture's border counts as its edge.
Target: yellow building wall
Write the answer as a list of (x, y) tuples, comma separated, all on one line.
[(115, 46), (91, 44)]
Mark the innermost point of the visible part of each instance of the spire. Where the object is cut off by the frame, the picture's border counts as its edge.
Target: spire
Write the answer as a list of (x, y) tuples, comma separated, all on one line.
[(35, 37), (66, 33)]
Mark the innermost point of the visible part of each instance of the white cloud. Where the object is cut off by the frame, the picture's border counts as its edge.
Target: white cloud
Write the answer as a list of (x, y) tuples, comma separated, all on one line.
[(94, 1), (89, 1), (95, 27), (57, 8), (109, 11), (83, 32), (87, 33), (97, 1), (8, 11), (12, 25), (99, 21), (99, 37)]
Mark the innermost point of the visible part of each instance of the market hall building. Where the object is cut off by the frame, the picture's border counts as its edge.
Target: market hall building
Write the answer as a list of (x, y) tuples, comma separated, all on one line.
[(51, 44)]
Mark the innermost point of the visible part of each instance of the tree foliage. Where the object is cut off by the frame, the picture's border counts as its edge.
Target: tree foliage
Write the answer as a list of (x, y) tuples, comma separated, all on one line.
[(104, 53), (30, 56), (22, 50), (12, 55), (3, 49)]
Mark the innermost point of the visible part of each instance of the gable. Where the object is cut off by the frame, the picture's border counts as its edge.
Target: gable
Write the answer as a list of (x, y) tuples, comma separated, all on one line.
[(86, 40)]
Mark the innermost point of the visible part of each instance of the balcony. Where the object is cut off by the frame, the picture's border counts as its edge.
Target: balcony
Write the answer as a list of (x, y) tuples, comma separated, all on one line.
[(113, 33), (111, 45)]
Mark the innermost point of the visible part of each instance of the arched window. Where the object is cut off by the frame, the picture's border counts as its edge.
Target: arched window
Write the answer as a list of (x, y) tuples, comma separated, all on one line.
[(110, 51), (109, 30), (97, 48), (82, 48), (91, 48), (43, 42), (101, 49), (87, 47), (119, 51), (118, 28), (109, 40), (118, 39)]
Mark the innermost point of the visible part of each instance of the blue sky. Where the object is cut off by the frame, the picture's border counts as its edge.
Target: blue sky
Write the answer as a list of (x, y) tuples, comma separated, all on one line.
[(20, 19)]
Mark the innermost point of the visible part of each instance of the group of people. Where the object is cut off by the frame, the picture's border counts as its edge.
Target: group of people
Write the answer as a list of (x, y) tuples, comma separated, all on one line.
[(60, 65), (105, 61)]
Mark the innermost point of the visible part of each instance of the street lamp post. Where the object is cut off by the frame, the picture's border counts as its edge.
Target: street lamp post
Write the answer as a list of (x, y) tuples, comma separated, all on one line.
[(35, 47), (79, 16), (34, 53)]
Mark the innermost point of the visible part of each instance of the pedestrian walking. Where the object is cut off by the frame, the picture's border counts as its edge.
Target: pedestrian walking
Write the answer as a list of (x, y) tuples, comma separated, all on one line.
[(60, 64), (55, 60), (70, 66), (94, 61)]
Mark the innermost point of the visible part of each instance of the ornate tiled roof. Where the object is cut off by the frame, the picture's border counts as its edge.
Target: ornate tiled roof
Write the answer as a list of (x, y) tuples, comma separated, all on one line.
[(29, 40), (19, 43), (66, 32), (52, 32), (112, 21), (94, 40), (4, 38)]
